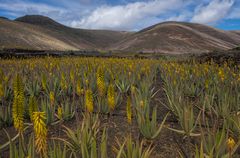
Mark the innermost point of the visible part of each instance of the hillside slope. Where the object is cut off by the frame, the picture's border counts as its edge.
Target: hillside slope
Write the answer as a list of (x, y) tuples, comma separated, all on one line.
[(178, 37), (98, 39), (236, 32), (26, 36), (42, 33)]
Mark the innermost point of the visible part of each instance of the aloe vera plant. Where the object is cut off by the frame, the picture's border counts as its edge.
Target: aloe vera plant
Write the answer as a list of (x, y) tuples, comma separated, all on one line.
[(123, 85), (83, 141), (68, 110), (49, 111), (56, 150), (148, 125), (33, 88), (17, 151), (5, 116), (132, 149)]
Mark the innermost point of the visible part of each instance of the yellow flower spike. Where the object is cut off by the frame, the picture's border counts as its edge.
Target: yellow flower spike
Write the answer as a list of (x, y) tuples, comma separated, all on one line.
[(6, 78), (238, 78), (100, 82), (72, 76), (129, 74), (87, 82), (18, 103), (230, 144), (60, 112), (89, 100), (1, 90), (52, 98), (174, 82), (63, 82), (44, 83), (111, 75), (133, 89), (85, 74), (129, 110), (111, 97), (40, 131), (206, 84), (79, 88), (82, 91), (139, 76), (141, 104)]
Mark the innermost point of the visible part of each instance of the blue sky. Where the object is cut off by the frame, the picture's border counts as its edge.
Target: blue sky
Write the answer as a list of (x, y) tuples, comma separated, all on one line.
[(128, 15)]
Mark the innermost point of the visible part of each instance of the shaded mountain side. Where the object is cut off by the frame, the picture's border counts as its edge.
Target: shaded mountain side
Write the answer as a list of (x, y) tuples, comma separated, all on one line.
[(39, 20), (96, 38), (178, 37), (2, 17), (231, 56), (236, 32), (26, 36), (222, 35), (37, 32)]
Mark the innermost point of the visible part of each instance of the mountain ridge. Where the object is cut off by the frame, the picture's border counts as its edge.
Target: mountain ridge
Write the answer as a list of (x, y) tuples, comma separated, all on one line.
[(97, 39), (179, 37), (43, 33)]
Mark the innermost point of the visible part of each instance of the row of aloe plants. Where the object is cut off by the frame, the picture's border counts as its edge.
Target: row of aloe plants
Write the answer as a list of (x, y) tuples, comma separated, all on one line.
[(39, 97)]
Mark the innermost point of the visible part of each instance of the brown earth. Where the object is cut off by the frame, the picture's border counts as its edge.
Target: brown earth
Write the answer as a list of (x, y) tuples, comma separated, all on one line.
[(237, 32), (179, 37), (42, 33), (168, 144), (37, 32)]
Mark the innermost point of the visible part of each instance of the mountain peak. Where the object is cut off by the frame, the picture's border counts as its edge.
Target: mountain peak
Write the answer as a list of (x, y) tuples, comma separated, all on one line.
[(2, 17), (40, 32), (38, 20), (178, 37)]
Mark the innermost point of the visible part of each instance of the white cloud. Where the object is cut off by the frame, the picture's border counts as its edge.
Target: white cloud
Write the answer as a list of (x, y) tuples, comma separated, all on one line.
[(213, 12), (235, 12), (126, 17), (185, 16), (60, 10), (29, 7)]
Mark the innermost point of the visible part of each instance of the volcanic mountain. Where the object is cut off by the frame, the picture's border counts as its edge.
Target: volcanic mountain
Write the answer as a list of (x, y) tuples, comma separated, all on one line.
[(42, 33), (37, 32), (237, 32), (179, 37)]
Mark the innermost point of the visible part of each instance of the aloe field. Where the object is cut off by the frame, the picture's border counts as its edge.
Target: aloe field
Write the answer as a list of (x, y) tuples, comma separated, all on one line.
[(86, 107)]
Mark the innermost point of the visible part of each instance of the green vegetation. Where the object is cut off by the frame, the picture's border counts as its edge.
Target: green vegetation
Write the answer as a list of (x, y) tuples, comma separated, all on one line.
[(125, 108)]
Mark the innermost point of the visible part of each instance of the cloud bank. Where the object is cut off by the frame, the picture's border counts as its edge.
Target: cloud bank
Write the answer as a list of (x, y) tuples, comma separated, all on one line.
[(213, 12), (127, 16), (124, 14)]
